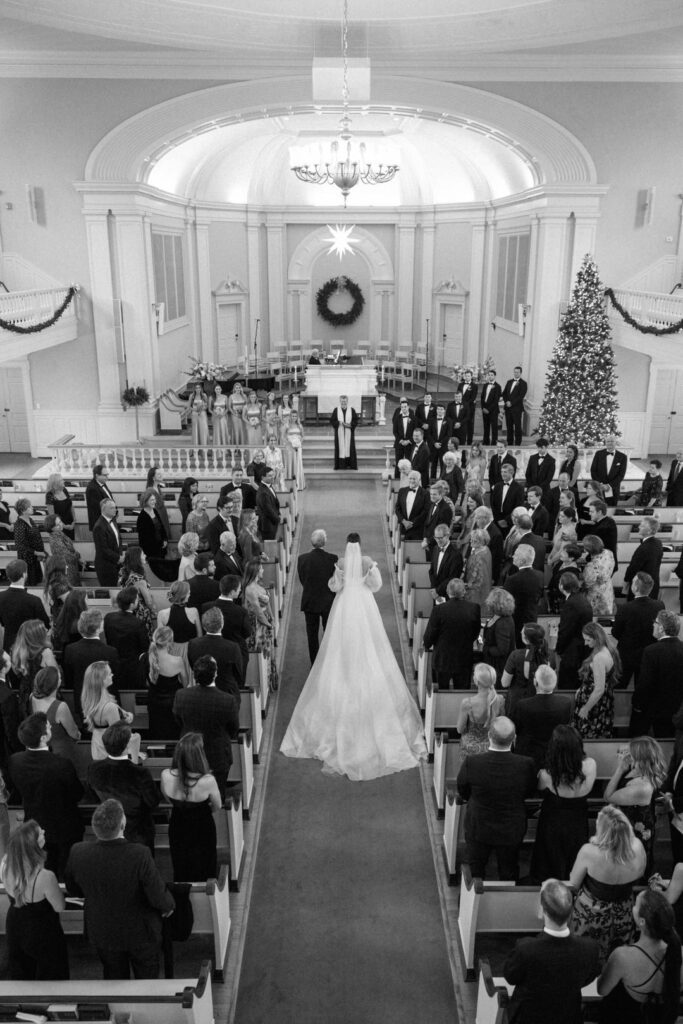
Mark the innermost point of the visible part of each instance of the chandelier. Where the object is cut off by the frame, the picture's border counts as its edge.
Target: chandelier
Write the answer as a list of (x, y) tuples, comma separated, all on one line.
[(343, 161)]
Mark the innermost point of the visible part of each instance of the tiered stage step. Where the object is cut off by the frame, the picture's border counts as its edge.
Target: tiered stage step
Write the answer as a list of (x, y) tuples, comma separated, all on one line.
[(371, 442)]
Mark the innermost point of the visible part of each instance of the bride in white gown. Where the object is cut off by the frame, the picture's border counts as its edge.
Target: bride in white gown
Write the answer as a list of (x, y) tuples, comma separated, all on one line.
[(355, 712)]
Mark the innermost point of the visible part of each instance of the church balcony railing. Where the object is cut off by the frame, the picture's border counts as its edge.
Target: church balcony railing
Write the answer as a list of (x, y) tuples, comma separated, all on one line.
[(652, 309), (34, 306)]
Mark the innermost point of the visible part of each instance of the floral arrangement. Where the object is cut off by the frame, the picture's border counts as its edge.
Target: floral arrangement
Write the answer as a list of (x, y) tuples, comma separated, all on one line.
[(207, 371), (132, 397), (478, 370)]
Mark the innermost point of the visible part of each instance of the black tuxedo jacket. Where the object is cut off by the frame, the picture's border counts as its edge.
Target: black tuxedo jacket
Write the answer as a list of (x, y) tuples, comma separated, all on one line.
[(658, 691), (540, 471), (495, 462), (226, 565), (268, 510), (456, 412), (133, 786), (674, 485), (423, 418), (123, 890), (203, 590), (495, 786), (606, 530), (17, 606), (420, 460), (213, 532), (215, 715), (526, 586), (440, 435), (438, 514), (515, 396), (403, 432), (502, 510), (94, 494), (468, 397), (538, 544), (496, 547), (126, 633), (548, 974), (236, 625), (107, 552), (616, 474), (575, 613), (246, 490), (490, 397), (451, 568), (50, 792), (417, 515), (535, 718), (540, 520), (228, 658), (315, 570), (646, 558), (632, 630), (78, 656), (452, 630)]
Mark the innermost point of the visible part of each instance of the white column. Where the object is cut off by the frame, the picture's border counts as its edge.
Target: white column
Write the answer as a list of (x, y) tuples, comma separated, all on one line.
[(206, 342), (138, 313), (254, 268), (475, 337), (404, 279), (97, 234), (584, 242), (427, 310), (276, 280)]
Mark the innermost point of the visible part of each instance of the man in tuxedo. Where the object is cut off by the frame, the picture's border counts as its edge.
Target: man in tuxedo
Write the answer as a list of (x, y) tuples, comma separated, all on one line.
[(446, 562), (536, 717), (483, 520), (646, 558), (456, 412), (501, 456), (633, 626), (575, 613), (214, 713), (95, 493), (268, 506), (49, 790), (226, 559), (490, 399), (225, 653), (203, 587), (468, 396), (344, 421), (125, 897), (540, 517), (540, 469), (549, 970), (16, 605), (562, 494), (117, 778), (494, 786), (514, 394), (238, 483), (86, 651), (420, 456), (674, 483), (452, 630), (411, 508), (609, 468), (658, 691), (403, 424), (236, 621), (315, 570), (126, 633), (441, 431), (526, 586), (439, 512), (108, 547), (601, 525), (425, 414), (506, 496), (220, 524), (523, 522)]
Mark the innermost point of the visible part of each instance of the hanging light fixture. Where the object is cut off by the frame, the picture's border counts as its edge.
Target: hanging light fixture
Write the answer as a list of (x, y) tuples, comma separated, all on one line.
[(344, 161)]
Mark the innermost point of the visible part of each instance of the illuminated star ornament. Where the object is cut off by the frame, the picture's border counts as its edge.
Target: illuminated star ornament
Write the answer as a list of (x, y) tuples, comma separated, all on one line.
[(340, 236)]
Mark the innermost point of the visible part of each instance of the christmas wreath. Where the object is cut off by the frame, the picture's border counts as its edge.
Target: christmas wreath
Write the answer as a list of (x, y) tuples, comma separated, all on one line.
[(339, 284)]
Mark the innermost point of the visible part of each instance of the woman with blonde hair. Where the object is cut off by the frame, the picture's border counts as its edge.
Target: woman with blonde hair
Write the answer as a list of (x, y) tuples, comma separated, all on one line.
[(274, 461), (477, 712), (100, 710), (257, 603), (193, 791), (198, 520), (31, 651), (166, 674), (184, 621), (597, 575), (59, 503), (594, 705), (478, 568), (634, 786), (188, 546), (250, 541), (36, 945), (294, 439)]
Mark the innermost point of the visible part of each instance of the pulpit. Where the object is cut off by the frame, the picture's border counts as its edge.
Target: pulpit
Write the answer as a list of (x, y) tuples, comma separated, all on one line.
[(327, 383)]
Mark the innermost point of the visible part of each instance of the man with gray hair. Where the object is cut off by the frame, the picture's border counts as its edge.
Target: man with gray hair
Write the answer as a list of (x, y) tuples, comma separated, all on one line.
[(659, 689), (446, 562), (633, 626), (226, 559), (315, 570), (609, 468), (550, 969), (483, 520), (646, 558), (452, 630), (439, 512), (526, 586), (536, 717)]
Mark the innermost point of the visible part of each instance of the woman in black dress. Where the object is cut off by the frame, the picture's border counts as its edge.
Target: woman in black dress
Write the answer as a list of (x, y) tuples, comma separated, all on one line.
[(520, 668), (28, 542), (571, 465), (499, 630), (187, 492), (167, 673), (193, 791), (36, 944), (151, 532), (6, 531), (65, 626), (635, 785), (59, 503), (178, 617)]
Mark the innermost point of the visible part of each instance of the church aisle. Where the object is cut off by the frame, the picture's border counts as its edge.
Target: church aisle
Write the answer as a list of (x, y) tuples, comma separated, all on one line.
[(345, 924)]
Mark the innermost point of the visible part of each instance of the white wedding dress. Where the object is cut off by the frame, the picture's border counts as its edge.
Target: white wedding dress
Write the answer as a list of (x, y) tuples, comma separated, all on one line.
[(355, 712)]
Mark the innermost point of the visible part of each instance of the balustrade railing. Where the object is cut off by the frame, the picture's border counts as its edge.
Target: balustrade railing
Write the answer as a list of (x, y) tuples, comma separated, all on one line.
[(130, 460), (651, 308), (27, 308)]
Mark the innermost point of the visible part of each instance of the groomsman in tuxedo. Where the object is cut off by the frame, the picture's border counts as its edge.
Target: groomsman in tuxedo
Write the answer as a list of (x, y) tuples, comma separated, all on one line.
[(609, 468), (403, 425), (541, 468), (468, 396), (95, 493), (315, 570), (108, 549), (420, 456), (267, 507), (440, 431), (425, 414), (457, 414), (506, 496), (514, 394), (501, 455), (674, 483), (446, 562), (490, 398), (411, 508), (540, 517)]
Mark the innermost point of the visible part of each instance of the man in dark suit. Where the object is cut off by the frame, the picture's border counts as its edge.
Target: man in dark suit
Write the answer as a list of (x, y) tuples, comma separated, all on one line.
[(225, 653), (495, 785), (523, 522), (86, 651), (267, 507), (646, 558), (425, 414), (16, 606), (226, 560), (601, 525), (501, 456), (238, 483), (456, 412), (441, 429), (215, 714), (49, 790), (314, 358), (490, 400), (220, 524), (439, 512), (203, 587), (131, 784), (95, 493), (412, 503), (506, 496), (658, 691), (446, 562), (452, 630), (108, 548), (126, 633), (556, 496), (420, 456), (536, 717), (549, 970), (609, 468), (125, 897), (674, 483), (540, 469), (236, 621), (540, 517), (575, 613), (315, 570), (403, 424), (526, 586), (633, 626), (467, 390), (514, 394)]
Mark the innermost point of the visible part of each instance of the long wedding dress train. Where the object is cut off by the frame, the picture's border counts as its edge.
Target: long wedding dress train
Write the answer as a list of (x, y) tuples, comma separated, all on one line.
[(355, 712)]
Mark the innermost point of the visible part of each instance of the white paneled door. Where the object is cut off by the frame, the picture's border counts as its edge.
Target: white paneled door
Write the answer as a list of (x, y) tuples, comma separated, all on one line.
[(666, 434), (13, 416)]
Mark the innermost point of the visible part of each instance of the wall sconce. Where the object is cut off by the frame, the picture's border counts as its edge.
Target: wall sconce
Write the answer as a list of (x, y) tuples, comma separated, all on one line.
[(646, 205), (523, 311)]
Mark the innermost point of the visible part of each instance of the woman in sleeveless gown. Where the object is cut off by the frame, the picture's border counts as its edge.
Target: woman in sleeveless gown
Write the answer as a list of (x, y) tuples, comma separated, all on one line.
[(355, 712), (477, 712), (193, 793), (166, 674), (594, 706)]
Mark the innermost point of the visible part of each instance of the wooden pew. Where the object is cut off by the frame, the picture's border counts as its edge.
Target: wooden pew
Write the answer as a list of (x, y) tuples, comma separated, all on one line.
[(493, 907), (415, 574), (493, 996)]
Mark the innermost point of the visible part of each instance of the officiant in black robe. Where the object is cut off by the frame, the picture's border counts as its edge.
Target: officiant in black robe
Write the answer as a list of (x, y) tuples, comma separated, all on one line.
[(344, 420)]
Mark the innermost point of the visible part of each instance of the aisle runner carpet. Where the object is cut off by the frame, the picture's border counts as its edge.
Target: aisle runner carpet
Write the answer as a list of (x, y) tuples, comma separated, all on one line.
[(344, 925)]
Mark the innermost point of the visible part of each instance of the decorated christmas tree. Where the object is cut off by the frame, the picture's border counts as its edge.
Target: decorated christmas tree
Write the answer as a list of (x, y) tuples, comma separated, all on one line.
[(580, 402)]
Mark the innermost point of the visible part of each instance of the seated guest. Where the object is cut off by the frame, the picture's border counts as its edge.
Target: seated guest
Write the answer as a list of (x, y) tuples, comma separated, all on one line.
[(226, 559), (117, 778), (658, 692), (84, 652), (100, 710), (522, 664), (225, 653), (477, 712), (633, 625), (236, 621), (16, 605), (535, 718), (167, 672), (647, 557), (575, 613), (549, 970), (650, 493), (183, 620), (36, 945), (499, 630), (596, 577), (124, 631), (193, 792), (188, 546), (636, 781), (65, 626), (566, 780), (122, 918), (203, 587)]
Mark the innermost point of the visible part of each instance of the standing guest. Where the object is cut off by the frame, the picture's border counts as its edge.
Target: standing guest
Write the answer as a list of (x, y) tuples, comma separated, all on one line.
[(522, 664), (315, 570), (192, 790), (78, 656), (646, 558), (633, 625), (108, 548), (167, 672), (155, 482), (452, 630), (540, 517), (236, 424), (268, 507), (500, 457), (540, 469), (314, 358), (294, 457), (59, 503), (560, 496), (274, 461), (536, 717), (476, 466), (524, 522), (635, 783), (674, 483), (499, 630), (650, 493), (100, 710), (257, 602), (257, 467), (471, 505), (123, 917), (446, 562), (133, 573), (65, 626), (566, 781), (203, 587), (575, 613), (467, 390), (594, 706), (179, 617), (477, 712), (205, 709), (36, 944), (483, 520), (659, 688), (478, 568), (439, 512), (62, 546), (49, 790), (6, 531), (344, 421), (441, 430), (411, 507), (451, 475), (219, 418), (245, 487), (64, 732), (198, 520), (95, 493), (188, 546), (601, 525), (30, 652), (28, 542), (224, 652), (594, 492), (425, 413), (514, 394), (55, 584), (609, 468), (526, 586), (151, 531), (456, 412), (126, 633), (249, 541), (226, 560), (495, 785), (572, 466), (564, 533), (236, 621), (221, 522), (198, 408), (491, 395), (596, 577), (505, 497), (420, 456), (118, 778), (187, 492), (570, 562)]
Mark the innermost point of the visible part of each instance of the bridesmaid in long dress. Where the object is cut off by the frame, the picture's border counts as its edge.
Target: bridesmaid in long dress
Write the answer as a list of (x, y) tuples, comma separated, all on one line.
[(200, 420), (219, 418), (294, 462), (254, 420), (237, 426), (271, 418)]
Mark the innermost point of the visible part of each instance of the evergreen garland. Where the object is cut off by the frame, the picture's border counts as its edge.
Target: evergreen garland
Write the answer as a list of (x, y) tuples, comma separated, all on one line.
[(339, 284), (580, 401)]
